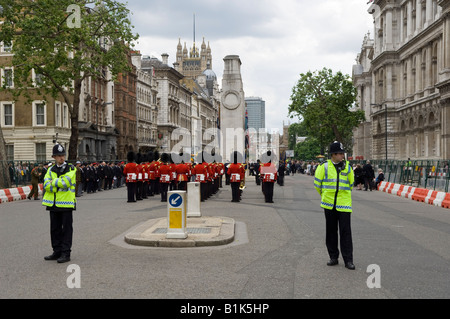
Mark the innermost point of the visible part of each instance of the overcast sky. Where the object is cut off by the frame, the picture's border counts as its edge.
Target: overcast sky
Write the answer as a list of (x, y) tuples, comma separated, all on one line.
[(275, 40)]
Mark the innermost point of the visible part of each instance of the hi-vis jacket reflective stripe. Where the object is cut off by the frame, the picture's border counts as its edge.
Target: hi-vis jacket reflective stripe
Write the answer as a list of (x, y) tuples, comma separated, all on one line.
[(60, 191), (326, 182)]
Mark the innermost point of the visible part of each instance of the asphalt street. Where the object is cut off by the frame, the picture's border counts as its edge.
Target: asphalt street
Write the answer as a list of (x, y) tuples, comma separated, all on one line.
[(278, 253)]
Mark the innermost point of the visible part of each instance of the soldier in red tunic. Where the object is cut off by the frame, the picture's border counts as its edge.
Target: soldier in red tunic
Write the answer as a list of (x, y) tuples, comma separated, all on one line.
[(201, 175), (183, 173), (235, 173), (165, 173), (268, 176), (130, 173)]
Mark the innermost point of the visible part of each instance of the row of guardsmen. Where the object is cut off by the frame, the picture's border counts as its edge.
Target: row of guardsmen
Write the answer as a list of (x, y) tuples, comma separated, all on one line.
[(267, 176), (152, 174)]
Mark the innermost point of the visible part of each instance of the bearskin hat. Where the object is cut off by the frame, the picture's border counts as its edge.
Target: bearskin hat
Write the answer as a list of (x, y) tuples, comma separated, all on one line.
[(139, 158), (268, 157), (156, 156), (131, 156), (165, 158), (236, 157)]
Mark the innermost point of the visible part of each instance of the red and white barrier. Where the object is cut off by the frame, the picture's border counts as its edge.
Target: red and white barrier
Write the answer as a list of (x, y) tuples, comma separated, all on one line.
[(428, 196), (19, 193)]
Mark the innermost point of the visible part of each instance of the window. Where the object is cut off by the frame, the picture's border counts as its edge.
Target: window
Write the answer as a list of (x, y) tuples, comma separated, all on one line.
[(6, 47), (39, 113), (7, 78), (38, 79), (65, 122), (7, 114), (40, 152), (57, 113), (10, 152)]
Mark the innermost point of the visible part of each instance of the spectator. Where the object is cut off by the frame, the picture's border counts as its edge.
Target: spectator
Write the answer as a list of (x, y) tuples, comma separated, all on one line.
[(369, 176), (359, 176), (379, 178)]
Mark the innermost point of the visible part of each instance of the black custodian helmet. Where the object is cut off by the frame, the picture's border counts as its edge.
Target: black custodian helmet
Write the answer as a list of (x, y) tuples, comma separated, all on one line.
[(336, 147), (58, 149)]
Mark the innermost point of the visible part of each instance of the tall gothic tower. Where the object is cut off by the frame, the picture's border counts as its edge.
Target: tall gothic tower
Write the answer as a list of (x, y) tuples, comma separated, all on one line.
[(194, 62)]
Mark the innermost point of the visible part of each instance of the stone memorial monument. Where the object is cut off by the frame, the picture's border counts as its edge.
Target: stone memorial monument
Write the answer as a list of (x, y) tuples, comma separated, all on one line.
[(232, 113)]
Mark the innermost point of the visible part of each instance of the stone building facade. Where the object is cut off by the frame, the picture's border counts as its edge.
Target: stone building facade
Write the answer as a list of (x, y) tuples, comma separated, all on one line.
[(125, 111), (97, 133), (403, 80), (147, 108), (169, 99), (30, 127)]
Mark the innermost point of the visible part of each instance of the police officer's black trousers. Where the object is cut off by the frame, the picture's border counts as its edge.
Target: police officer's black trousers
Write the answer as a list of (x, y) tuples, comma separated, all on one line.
[(61, 231), (334, 220)]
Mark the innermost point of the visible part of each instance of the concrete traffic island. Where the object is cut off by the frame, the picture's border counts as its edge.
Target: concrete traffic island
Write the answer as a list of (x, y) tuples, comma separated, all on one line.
[(201, 231)]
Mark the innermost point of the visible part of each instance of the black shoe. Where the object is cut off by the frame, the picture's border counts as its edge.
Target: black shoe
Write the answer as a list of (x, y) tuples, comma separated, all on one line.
[(29, 198), (53, 256), (63, 259), (349, 265), (332, 262)]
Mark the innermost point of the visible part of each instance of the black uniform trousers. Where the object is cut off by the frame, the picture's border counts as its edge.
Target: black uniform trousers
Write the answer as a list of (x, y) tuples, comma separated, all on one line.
[(163, 190), (61, 231), (182, 185), (131, 190), (235, 191), (334, 220), (268, 191)]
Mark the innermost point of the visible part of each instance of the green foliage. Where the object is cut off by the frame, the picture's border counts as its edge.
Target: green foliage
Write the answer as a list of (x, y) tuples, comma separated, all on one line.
[(323, 101), (44, 41), (307, 150), (296, 130)]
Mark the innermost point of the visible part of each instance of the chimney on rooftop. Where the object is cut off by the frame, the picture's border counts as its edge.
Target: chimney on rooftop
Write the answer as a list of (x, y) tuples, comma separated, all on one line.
[(165, 58)]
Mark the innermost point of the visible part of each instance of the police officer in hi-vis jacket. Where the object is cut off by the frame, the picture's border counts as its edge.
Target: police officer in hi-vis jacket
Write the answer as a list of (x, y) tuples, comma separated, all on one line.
[(334, 182), (59, 199)]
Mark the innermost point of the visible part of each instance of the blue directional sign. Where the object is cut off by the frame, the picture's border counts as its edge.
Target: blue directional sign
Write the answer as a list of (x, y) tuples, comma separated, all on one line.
[(175, 200)]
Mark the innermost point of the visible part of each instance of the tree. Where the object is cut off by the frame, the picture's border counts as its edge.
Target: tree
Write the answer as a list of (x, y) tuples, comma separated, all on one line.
[(65, 42), (308, 149), (323, 100), (296, 130)]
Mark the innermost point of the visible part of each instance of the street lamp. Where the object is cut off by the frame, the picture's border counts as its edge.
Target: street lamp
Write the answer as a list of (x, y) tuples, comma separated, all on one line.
[(385, 129)]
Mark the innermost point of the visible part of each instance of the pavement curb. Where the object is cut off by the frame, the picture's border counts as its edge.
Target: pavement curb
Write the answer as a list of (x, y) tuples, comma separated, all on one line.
[(221, 232)]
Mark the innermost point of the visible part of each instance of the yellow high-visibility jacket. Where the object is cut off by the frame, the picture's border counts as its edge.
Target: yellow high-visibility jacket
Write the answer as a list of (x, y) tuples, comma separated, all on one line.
[(326, 183), (60, 188)]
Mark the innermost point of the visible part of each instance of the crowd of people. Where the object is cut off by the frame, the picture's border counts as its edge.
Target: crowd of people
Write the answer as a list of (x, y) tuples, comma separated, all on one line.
[(365, 176)]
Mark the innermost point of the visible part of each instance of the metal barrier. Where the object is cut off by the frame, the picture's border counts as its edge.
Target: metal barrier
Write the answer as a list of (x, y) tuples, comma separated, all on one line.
[(430, 174)]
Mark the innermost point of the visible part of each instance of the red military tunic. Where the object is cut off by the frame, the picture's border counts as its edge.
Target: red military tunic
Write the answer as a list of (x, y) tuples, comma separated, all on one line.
[(165, 173), (183, 172), (235, 172), (268, 172), (130, 171), (201, 173)]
